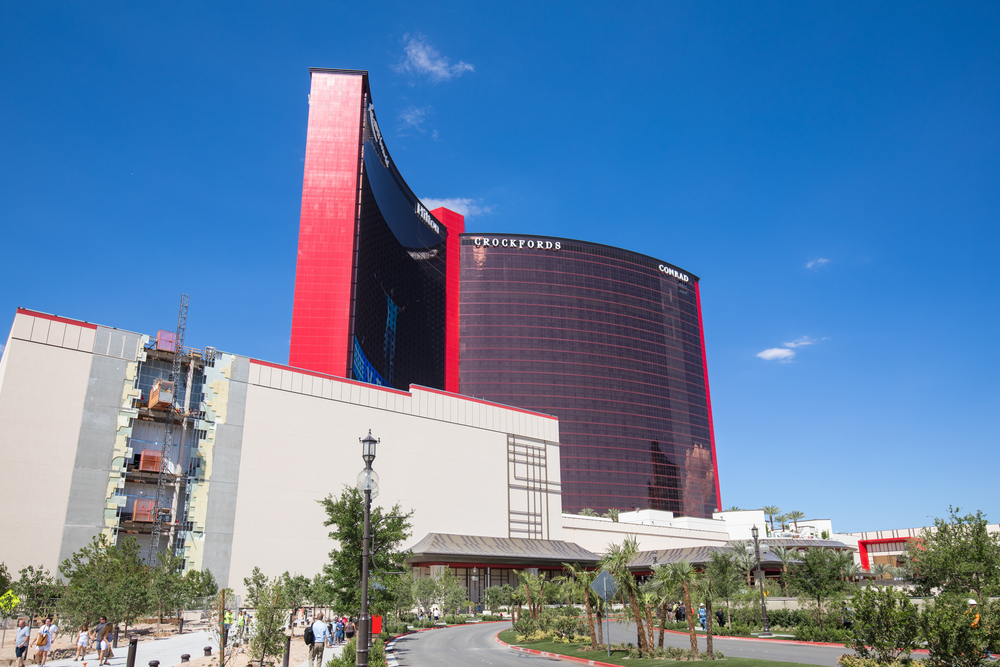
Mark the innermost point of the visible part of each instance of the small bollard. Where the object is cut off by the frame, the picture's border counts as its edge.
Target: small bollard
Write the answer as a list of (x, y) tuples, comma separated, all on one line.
[(180, 627), (186, 657), (132, 647), (154, 663), (208, 651)]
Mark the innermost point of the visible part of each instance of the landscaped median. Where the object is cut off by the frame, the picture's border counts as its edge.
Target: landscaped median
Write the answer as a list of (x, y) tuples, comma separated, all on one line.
[(620, 658)]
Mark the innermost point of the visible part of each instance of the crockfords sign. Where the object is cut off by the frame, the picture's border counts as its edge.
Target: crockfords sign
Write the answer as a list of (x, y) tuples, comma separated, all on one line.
[(497, 242), (425, 215), (683, 277)]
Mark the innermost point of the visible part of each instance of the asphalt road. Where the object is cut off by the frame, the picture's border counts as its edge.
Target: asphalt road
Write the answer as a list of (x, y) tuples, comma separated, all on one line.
[(475, 645)]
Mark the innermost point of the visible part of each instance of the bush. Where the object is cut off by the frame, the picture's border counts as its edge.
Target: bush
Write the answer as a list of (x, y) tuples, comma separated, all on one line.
[(672, 653), (946, 625), (735, 631), (885, 625), (451, 619), (813, 633), (376, 657), (848, 660), (525, 626), (490, 617)]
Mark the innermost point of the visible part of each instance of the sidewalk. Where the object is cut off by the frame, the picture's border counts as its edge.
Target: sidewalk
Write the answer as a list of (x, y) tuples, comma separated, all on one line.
[(328, 653), (167, 651)]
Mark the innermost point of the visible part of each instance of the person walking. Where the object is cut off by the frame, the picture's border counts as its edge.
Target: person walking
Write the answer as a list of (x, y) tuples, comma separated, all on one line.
[(21, 642), (82, 642), (350, 629), (101, 632), (321, 639), (43, 644)]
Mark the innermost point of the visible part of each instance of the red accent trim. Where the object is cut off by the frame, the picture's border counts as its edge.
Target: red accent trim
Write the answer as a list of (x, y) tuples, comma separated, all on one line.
[(479, 400), (324, 270), (318, 374), (863, 547), (491, 565), (55, 318), (455, 224), (708, 398)]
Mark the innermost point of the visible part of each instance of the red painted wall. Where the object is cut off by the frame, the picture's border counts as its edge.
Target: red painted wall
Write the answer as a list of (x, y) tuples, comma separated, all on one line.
[(455, 223), (323, 275), (708, 398)]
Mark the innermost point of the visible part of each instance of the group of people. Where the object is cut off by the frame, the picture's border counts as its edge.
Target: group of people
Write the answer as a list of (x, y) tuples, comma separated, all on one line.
[(330, 633), (99, 637), (677, 613)]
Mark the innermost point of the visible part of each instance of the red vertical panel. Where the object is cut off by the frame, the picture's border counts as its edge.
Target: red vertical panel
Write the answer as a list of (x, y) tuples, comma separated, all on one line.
[(708, 398), (322, 307), (455, 224)]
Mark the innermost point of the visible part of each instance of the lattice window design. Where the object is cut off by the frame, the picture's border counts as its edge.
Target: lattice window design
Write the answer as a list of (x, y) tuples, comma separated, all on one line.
[(529, 488)]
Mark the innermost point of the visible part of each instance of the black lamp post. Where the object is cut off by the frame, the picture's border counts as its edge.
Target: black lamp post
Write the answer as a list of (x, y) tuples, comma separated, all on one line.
[(368, 484), (760, 582)]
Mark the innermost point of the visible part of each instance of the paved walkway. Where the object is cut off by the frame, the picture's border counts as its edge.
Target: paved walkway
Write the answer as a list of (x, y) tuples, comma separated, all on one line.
[(167, 651), (328, 653)]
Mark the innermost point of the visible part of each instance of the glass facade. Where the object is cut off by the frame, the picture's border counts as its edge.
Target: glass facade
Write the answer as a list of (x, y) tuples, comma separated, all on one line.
[(610, 342)]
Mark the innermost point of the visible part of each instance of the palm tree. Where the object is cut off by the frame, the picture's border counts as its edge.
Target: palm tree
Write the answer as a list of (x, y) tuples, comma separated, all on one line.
[(786, 555), (586, 511), (725, 576), (732, 508), (771, 511), (795, 515), (612, 514), (879, 570), (617, 561), (665, 591), (683, 575), (705, 589), (650, 598), (584, 578), (746, 559)]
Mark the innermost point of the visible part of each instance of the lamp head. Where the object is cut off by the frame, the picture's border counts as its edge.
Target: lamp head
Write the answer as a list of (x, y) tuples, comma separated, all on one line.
[(754, 531), (368, 448)]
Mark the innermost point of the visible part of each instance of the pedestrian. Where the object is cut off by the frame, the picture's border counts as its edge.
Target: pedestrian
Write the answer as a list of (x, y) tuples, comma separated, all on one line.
[(720, 617), (701, 615), (350, 629), (340, 631), (82, 641), (21, 642), (321, 639), (43, 643), (101, 631)]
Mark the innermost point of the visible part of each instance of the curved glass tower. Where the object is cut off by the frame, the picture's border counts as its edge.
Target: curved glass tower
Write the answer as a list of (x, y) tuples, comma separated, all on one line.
[(376, 284), (608, 340)]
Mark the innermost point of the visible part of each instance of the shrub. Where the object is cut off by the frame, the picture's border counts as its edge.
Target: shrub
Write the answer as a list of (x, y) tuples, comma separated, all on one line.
[(952, 640), (525, 626), (814, 633), (376, 656), (490, 617), (885, 625), (672, 653), (848, 660)]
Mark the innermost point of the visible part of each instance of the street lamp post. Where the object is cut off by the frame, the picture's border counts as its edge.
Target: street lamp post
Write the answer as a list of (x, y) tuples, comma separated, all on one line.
[(368, 484), (760, 581)]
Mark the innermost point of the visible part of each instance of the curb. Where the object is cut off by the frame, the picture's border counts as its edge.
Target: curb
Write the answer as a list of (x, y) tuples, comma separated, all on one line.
[(390, 656), (558, 656)]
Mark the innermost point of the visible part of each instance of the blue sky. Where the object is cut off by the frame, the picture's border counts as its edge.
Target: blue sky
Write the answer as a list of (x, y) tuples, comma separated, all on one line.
[(830, 171)]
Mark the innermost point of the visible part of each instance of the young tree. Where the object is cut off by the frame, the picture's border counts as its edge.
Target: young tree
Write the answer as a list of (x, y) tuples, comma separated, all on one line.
[(268, 597), (957, 636), (296, 591), (787, 556), (817, 576), (584, 578), (617, 561), (130, 594), (5, 579), (38, 592), (88, 576), (682, 575), (958, 556), (402, 595), (199, 588), (704, 586), (166, 584), (346, 515), (452, 592), (726, 580), (427, 593), (493, 600), (885, 625)]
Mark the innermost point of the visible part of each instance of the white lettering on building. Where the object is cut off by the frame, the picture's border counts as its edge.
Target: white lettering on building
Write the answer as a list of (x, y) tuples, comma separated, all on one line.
[(425, 215), (683, 277), (482, 241)]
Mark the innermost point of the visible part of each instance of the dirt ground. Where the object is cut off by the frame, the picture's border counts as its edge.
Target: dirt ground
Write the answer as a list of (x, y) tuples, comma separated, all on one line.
[(64, 645), (299, 654)]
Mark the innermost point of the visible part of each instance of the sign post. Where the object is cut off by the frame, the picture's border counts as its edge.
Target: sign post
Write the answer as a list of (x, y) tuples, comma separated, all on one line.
[(605, 586)]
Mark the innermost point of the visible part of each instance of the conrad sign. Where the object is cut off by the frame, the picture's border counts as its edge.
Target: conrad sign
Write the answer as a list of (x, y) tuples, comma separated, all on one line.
[(683, 277)]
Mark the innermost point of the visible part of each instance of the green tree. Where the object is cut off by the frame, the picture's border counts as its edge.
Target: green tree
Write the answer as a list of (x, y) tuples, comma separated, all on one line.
[(732, 508), (5, 579), (322, 593), (493, 599), (957, 556), (167, 584), (88, 575), (612, 514), (38, 591), (199, 589), (130, 595), (704, 587), (745, 558), (726, 579), (794, 516), (885, 625), (955, 636), (771, 511), (617, 560), (427, 593), (817, 577), (683, 576), (269, 599), (584, 578), (787, 556), (452, 592), (346, 515), (403, 599)]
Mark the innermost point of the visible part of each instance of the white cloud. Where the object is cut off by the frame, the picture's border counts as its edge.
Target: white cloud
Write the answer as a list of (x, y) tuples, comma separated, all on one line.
[(467, 207), (413, 117), (434, 136), (782, 354), (817, 263), (422, 59), (800, 342)]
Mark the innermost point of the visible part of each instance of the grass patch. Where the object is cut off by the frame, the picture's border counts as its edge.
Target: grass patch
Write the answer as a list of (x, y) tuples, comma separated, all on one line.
[(620, 657)]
